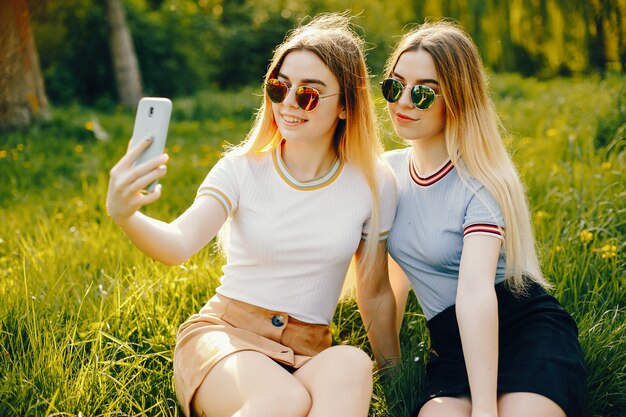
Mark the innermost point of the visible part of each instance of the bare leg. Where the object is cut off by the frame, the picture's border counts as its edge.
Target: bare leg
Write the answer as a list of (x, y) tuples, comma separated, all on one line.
[(339, 380), (249, 384), (447, 407), (522, 404)]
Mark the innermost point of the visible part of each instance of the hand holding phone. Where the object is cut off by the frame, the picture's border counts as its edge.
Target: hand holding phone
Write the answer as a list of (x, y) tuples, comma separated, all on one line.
[(152, 119)]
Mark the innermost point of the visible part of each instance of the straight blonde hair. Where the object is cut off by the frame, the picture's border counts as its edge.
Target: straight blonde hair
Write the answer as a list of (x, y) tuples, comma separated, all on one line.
[(356, 140), (473, 139)]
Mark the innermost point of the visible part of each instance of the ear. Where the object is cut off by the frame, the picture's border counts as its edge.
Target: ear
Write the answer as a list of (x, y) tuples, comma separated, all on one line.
[(342, 115)]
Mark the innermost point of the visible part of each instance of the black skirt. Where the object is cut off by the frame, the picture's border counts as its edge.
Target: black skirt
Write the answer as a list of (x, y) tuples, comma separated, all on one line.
[(538, 351)]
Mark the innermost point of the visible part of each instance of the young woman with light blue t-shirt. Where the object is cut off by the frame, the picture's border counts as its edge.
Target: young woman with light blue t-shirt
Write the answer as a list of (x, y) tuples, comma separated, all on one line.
[(500, 344)]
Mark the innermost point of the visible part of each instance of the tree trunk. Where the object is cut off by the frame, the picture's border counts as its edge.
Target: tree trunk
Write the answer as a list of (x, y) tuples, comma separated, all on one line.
[(621, 34), (125, 65), (596, 44), (22, 93)]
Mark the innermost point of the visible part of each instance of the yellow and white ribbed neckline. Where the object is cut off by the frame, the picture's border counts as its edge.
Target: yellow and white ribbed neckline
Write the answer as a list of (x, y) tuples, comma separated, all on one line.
[(310, 185)]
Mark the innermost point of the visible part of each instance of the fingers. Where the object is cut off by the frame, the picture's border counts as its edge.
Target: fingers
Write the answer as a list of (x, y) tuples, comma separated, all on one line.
[(142, 182), (149, 166), (125, 176), (133, 152), (145, 199), (125, 194), (153, 196), (123, 202)]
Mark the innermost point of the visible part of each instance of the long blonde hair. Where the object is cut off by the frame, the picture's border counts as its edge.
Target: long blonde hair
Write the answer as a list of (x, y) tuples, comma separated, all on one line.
[(473, 139), (356, 139)]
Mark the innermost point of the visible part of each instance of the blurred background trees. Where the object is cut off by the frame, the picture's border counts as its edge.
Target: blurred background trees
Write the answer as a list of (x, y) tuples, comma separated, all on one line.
[(125, 67), (22, 94), (183, 46)]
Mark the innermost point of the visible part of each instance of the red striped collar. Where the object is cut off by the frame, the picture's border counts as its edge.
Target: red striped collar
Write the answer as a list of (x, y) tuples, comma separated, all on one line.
[(431, 179)]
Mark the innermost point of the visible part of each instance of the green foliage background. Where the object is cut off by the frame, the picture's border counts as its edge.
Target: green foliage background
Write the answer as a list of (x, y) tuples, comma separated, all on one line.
[(88, 323), (187, 45)]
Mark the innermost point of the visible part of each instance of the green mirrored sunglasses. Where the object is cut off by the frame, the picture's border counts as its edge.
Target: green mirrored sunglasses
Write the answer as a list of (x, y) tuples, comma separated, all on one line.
[(422, 96)]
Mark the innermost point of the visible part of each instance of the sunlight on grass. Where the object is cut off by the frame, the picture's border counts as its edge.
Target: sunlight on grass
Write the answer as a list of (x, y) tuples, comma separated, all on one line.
[(88, 323)]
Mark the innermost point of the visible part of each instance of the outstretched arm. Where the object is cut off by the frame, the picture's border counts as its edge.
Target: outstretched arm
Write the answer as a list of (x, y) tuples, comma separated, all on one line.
[(378, 307), (170, 243)]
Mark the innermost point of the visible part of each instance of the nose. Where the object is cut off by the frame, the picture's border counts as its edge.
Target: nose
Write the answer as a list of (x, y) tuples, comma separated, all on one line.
[(405, 99), (290, 99)]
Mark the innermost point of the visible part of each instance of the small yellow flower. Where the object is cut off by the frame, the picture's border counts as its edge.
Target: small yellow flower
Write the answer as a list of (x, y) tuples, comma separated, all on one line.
[(20, 147), (526, 140), (558, 248), (3, 154), (606, 166), (89, 125), (541, 215), (551, 133), (176, 148), (609, 251), (585, 236), (79, 148)]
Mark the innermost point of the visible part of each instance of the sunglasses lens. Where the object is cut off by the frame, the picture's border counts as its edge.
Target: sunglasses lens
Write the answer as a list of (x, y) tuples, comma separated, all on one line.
[(276, 90), (307, 98), (423, 97), (392, 90)]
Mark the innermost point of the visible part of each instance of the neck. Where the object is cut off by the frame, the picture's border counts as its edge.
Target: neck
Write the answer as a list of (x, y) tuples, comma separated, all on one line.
[(307, 161), (429, 154)]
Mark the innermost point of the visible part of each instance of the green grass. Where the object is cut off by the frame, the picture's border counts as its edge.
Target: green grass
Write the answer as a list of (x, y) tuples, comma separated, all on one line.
[(88, 323)]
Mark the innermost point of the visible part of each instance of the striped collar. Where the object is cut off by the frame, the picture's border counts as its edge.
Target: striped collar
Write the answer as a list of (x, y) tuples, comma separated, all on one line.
[(431, 179), (310, 185)]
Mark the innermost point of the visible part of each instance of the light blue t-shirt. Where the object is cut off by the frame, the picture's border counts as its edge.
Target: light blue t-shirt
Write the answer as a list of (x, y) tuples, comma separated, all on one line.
[(433, 216)]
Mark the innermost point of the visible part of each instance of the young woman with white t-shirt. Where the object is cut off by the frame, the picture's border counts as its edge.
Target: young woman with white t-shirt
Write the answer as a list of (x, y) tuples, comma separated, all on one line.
[(302, 195), (500, 344)]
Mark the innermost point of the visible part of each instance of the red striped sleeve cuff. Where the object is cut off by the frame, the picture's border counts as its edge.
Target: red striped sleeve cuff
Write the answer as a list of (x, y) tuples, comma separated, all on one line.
[(484, 229)]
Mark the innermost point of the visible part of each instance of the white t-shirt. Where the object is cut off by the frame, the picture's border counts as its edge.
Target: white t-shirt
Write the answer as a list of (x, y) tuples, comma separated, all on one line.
[(290, 243)]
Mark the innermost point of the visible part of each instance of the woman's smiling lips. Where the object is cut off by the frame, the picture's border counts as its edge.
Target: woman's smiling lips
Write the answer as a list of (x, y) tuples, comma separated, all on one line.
[(404, 119), (290, 120)]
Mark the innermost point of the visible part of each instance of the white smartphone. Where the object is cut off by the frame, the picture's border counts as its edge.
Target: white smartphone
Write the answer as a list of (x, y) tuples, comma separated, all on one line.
[(152, 119)]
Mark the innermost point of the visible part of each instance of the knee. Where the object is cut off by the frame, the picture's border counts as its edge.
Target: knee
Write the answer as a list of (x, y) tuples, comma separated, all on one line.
[(292, 400), (352, 363), (447, 407)]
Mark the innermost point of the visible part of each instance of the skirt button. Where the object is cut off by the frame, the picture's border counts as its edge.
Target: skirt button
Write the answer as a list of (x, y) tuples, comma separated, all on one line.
[(278, 321)]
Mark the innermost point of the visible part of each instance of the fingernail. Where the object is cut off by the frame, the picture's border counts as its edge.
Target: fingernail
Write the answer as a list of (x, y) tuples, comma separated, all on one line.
[(149, 139)]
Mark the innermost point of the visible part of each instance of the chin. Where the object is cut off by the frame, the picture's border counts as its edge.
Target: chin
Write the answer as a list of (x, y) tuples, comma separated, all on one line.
[(407, 134), (412, 135)]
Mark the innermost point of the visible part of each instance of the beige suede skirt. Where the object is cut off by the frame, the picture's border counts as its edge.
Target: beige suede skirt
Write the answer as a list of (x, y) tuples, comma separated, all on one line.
[(225, 326)]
